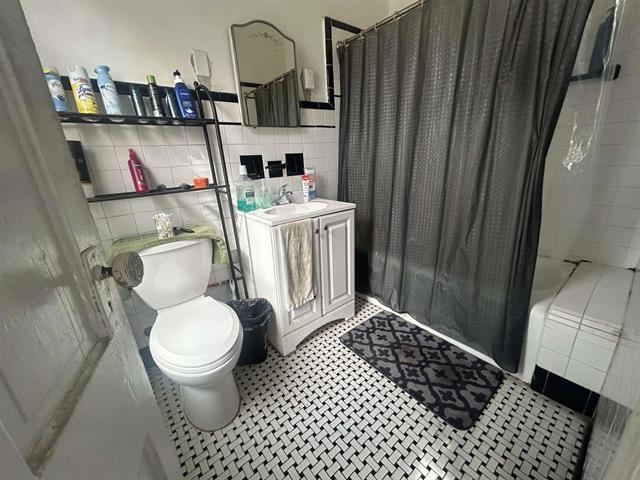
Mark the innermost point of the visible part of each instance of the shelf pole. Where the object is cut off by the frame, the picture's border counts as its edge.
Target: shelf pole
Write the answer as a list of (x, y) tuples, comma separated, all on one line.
[(198, 89)]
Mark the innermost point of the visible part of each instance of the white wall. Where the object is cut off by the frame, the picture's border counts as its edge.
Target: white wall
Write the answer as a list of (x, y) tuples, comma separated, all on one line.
[(141, 37), (592, 210)]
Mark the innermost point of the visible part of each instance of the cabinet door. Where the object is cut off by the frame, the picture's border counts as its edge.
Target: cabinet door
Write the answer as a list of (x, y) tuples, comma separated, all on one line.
[(310, 311), (336, 252)]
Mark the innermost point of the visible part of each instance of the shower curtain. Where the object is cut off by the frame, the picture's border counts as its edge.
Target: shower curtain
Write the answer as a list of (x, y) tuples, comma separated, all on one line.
[(277, 102), (446, 117)]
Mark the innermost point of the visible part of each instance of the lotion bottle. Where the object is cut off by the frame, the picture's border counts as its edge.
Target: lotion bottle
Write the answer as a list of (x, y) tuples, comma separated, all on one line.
[(137, 173), (186, 105)]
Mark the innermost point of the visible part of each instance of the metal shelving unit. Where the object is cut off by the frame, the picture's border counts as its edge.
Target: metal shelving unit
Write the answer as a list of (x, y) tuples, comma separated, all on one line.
[(202, 93)]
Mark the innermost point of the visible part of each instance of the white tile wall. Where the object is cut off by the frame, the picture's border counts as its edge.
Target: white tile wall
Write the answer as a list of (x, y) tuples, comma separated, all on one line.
[(172, 155), (592, 211)]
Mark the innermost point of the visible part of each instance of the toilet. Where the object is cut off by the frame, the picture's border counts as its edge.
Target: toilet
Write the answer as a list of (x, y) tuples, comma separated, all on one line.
[(195, 340)]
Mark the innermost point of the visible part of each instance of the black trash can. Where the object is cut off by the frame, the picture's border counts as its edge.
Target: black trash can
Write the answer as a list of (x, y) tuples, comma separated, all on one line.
[(254, 315)]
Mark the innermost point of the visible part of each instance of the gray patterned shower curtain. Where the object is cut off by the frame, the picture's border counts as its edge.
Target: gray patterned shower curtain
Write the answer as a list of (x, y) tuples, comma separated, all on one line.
[(446, 118)]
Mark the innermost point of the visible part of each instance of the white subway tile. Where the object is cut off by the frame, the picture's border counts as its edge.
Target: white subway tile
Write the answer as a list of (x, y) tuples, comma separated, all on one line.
[(584, 375), (306, 116), (182, 175), (122, 226), (144, 204), (295, 135), (320, 135), (109, 181), (124, 135), (234, 153), (623, 217), (116, 208), (195, 135), (611, 254), (128, 179), (267, 135), (103, 229), (250, 135), (179, 154), (318, 117), (96, 210), (198, 155), (234, 134), (174, 135), (101, 158), (151, 135), (155, 156), (190, 198), (268, 152), (144, 222), (618, 236), (160, 175), (94, 135), (71, 132), (307, 135), (167, 202)]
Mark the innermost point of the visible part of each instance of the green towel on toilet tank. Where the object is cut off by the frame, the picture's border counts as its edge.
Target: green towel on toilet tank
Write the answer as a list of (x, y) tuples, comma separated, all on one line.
[(137, 243)]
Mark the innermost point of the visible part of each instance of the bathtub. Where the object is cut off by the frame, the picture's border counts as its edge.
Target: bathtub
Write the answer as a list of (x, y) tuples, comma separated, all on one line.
[(550, 276)]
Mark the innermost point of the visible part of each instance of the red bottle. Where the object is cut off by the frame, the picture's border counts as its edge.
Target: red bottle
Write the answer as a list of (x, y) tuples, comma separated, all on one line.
[(137, 173)]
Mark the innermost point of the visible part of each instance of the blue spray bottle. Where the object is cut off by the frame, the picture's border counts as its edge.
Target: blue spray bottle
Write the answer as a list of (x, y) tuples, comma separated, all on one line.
[(108, 91), (186, 105)]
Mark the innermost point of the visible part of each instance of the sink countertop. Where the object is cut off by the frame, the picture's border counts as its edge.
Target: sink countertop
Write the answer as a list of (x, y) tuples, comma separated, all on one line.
[(272, 220)]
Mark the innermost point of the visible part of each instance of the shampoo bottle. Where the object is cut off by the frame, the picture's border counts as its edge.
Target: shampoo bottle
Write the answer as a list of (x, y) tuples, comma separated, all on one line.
[(108, 91), (186, 105), (137, 173), (82, 90), (59, 97), (154, 96), (172, 106)]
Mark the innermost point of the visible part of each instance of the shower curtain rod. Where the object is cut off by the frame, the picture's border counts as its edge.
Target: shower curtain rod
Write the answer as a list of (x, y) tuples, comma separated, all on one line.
[(384, 21)]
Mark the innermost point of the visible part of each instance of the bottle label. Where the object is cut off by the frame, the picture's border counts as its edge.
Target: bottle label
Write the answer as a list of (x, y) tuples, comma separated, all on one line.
[(250, 197), (110, 98), (85, 98), (57, 94)]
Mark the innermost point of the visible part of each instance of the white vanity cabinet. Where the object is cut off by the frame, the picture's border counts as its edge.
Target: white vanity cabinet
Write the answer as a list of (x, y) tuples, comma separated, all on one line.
[(333, 267)]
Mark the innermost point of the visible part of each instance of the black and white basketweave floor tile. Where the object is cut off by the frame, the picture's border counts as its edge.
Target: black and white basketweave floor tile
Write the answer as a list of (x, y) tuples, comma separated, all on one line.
[(322, 412)]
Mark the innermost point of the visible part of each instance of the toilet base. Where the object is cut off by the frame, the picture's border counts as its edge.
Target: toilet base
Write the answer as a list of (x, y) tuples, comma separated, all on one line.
[(213, 406)]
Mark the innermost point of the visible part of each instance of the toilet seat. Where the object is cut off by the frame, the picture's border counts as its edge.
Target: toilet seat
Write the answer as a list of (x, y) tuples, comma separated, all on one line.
[(196, 336)]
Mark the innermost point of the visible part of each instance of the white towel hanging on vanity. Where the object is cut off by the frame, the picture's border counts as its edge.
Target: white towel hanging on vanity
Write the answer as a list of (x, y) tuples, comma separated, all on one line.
[(296, 252)]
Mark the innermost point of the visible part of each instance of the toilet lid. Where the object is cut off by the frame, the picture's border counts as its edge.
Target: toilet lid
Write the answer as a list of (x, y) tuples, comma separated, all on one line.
[(195, 333)]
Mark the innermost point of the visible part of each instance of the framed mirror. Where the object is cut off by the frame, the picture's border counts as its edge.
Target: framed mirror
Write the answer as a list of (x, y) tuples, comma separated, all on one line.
[(266, 75)]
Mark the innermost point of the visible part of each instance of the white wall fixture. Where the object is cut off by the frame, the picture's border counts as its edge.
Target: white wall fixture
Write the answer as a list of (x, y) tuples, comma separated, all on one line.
[(333, 266)]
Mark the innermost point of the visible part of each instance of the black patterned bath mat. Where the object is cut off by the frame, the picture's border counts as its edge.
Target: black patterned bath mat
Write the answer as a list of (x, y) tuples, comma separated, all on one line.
[(450, 382)]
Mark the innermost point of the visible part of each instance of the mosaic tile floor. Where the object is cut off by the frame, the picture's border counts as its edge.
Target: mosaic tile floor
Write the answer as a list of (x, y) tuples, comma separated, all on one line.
[(322, 412)]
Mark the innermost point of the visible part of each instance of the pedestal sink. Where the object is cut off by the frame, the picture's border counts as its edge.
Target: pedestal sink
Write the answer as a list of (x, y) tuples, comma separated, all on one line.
[(295, 209)]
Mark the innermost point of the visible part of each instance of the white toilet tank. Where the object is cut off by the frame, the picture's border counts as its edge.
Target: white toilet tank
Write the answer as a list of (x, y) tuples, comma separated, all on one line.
[(175, 272)]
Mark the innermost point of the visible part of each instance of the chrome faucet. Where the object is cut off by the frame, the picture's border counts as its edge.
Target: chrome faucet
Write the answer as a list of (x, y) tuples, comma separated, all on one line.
[(283, 195)]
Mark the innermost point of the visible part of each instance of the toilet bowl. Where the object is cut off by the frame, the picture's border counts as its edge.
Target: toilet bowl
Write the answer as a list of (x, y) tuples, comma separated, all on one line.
[(195, 340)]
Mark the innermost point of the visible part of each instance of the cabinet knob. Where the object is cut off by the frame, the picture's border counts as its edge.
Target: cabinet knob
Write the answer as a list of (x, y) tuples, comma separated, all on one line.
[(317, 230), (326, 227)]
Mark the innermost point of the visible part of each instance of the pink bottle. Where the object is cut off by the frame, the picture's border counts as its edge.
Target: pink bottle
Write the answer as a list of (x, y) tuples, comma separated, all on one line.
[(137, 173)]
